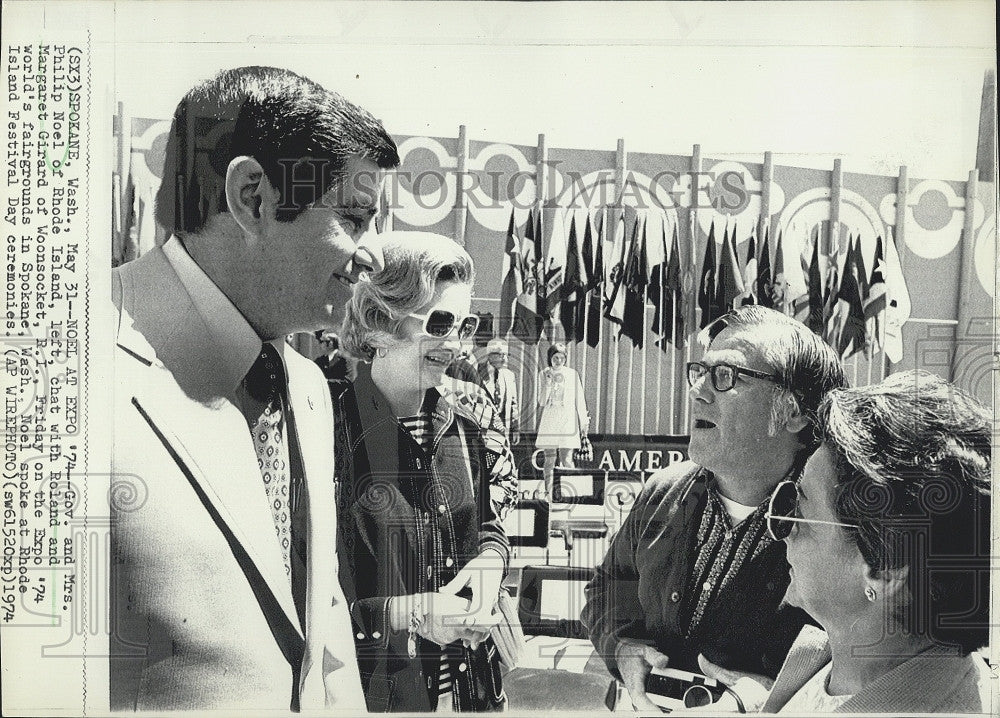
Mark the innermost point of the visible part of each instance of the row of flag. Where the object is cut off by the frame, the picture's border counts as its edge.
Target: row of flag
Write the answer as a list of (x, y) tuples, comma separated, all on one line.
[(562, 270), (835, 295), (572, 268)]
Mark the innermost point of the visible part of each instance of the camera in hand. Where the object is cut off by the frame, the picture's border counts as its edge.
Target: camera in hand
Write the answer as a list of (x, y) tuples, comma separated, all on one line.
[(670, 688)]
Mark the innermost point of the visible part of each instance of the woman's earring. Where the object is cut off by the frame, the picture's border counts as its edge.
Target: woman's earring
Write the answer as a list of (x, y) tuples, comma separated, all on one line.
[(381, 352), (870, 594)]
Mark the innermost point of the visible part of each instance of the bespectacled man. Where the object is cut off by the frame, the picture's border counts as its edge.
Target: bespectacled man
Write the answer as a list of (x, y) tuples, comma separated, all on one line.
[(693, 570)]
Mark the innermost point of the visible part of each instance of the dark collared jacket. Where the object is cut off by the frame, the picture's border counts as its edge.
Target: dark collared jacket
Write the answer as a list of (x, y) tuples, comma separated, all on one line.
[(407, 524), (639, 588)]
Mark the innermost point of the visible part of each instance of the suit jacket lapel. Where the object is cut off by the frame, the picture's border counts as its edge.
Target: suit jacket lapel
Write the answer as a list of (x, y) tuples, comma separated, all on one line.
[(206, 433), (307, 404), (326, 681)]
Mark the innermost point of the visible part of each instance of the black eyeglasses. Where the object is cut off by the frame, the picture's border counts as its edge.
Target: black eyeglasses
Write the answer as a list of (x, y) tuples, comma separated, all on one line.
[(723, 375), (781, 512), (440, 323)]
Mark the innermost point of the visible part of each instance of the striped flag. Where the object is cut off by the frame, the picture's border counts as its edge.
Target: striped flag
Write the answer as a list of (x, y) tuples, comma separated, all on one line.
[(848, 319), (555, 261), (513, 278), (875, 302), (528, 317)]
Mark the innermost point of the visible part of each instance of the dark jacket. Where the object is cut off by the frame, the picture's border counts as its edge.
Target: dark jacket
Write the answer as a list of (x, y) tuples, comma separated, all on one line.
[(407, 525), (638, 589)]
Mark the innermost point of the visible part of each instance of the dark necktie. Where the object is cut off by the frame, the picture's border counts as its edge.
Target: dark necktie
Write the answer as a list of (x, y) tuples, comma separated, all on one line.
[(265, 383)]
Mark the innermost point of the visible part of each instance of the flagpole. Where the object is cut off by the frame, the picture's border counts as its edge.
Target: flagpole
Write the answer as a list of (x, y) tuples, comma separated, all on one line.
[(460, 207), (615, 360), (673, 355), (693, 213), (897, 235), (869, 355), (599, 295), (645, 344), (631, 350), (540, 191), (966, 268), (764, 219), (659, 328), (581, 348)]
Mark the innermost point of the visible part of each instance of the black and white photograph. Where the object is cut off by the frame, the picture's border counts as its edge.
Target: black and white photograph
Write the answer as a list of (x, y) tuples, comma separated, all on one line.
[(524, 357)]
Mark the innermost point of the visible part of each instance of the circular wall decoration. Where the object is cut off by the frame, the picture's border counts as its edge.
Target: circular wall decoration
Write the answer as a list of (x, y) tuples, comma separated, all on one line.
[(741, 198), (491, 191), (424, 194), (812, 207), (148, 150), (935, 215)]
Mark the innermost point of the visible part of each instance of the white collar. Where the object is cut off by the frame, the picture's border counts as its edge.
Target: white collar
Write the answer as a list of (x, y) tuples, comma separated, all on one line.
[(236, 343)]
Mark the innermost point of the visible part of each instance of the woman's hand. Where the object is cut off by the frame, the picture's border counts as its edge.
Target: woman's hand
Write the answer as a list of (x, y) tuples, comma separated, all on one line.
[(441, 617), (483, 575), (752, 688), (635, 660), (448, 620)]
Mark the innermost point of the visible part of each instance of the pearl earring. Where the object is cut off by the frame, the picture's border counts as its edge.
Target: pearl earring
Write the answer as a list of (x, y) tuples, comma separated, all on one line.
[(870, 594)]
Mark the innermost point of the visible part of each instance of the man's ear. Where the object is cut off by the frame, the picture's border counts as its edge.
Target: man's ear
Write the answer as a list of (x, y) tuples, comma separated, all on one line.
[(795, 420), (890, 583), (249, 194)]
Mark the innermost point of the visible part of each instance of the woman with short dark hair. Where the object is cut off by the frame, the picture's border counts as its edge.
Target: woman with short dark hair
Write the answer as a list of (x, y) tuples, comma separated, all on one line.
[(888, 534)]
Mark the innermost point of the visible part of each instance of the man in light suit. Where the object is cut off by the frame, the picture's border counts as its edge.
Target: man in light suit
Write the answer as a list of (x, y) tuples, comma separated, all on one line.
[(224, 572), (501, 385)]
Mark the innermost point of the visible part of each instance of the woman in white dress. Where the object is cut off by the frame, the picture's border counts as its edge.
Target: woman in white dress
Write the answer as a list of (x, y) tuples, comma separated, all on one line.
[(563, 413)]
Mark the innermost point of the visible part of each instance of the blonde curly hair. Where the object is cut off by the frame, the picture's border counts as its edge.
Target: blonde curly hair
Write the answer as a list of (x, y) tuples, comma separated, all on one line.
[(414, 263)]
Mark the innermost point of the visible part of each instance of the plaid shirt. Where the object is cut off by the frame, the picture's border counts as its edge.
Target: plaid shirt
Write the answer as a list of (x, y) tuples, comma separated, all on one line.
[(472, 401)]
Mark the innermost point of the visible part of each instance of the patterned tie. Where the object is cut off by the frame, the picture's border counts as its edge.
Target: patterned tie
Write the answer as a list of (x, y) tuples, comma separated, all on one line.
[(265, 383)]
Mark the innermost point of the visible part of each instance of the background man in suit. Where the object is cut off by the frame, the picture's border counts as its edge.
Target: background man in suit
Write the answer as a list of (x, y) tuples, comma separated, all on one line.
[(224, 572), (501, 385), (335, 365)]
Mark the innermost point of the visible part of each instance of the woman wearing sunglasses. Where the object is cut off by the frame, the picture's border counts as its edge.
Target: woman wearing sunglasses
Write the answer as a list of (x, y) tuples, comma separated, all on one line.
[(422, 550), (888, 539)]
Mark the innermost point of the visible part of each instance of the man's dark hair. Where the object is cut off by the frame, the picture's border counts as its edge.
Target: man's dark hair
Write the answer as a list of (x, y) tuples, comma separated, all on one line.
[(913, 471), (300, 133)]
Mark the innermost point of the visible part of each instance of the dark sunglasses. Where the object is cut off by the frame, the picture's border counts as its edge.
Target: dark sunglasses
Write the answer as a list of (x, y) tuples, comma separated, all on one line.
[(781, 512), (723, 375), (440, 323)]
